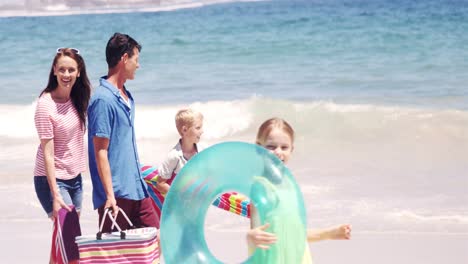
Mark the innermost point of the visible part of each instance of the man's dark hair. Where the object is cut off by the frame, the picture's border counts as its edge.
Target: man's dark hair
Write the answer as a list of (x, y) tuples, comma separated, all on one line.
[(117, 46)]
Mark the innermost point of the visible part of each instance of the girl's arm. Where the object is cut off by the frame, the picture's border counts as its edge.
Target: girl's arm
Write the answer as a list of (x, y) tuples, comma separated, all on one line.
[(258, 237), (335, 232), (47, 146)]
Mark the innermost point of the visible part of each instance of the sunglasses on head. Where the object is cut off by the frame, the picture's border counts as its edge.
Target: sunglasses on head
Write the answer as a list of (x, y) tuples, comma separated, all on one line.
[(76, 51)]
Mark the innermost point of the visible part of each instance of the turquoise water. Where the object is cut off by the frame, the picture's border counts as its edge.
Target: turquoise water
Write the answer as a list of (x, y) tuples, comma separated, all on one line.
[(376, 90), (410, 53)]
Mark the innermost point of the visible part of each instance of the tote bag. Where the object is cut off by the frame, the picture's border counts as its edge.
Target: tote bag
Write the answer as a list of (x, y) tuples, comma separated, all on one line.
[(138, 245), (66, 228)]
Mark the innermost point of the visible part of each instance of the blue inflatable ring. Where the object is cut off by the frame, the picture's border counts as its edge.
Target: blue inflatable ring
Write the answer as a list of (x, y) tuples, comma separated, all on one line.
[(244, 168)]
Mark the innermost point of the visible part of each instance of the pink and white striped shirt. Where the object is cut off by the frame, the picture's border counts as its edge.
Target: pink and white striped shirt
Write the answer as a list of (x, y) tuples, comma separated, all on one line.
[(60, 122)]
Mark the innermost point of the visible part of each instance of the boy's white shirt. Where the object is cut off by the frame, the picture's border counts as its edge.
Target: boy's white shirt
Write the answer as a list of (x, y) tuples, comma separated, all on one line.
[(174, 161)]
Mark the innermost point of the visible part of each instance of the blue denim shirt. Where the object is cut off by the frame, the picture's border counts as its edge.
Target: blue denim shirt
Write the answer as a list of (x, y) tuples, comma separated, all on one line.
[(110, 117)]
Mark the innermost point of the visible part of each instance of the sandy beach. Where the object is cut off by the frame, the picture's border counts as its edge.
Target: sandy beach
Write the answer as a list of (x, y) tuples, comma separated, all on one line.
[(26, 237)]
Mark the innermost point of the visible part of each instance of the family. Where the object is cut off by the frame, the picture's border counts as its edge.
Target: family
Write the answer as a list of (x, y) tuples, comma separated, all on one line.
[(65, 109)]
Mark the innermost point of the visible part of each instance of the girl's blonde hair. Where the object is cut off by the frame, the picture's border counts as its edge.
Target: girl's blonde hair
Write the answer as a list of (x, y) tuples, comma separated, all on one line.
[(186, 117), (266, 127)]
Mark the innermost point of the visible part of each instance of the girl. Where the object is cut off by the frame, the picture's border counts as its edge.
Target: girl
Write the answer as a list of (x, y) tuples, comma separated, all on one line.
[(277, 136), (60, 124)]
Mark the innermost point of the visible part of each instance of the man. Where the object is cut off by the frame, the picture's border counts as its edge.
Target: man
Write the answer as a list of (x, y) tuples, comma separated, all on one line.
[(113, 156)]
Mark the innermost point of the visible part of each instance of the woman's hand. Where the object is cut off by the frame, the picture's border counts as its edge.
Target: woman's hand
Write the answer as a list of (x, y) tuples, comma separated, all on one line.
[(57, 204), (258, 237)]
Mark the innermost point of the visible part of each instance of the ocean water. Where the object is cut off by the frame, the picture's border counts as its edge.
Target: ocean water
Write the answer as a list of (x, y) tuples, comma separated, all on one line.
[(376, 91)]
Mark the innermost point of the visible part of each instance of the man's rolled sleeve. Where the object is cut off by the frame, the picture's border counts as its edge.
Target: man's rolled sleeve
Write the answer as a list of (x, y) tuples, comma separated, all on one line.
[(100, 118)]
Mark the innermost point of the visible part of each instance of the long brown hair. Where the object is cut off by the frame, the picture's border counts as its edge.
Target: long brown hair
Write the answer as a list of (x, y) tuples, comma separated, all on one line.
[(81, 90)]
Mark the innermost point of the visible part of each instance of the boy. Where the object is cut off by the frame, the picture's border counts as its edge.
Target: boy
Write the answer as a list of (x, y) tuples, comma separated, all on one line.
[(189, 124)]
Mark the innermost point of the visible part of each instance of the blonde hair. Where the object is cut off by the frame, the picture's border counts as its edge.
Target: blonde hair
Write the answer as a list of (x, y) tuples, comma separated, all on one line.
[(186, 117), (266, 127)]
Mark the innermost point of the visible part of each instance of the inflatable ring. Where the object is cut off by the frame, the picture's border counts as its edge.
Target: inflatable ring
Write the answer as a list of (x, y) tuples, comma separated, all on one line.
[(243, 168)]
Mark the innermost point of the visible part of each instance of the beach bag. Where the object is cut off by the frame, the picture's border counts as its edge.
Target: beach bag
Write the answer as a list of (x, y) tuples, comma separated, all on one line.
[(66, 228), (134, 245)]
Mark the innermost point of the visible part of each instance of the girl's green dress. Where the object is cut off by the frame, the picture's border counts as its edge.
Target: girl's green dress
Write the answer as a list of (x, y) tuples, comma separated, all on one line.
[(280, 209)]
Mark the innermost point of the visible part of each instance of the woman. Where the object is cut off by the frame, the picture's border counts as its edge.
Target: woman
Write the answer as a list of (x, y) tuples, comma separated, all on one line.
[(60, 124)]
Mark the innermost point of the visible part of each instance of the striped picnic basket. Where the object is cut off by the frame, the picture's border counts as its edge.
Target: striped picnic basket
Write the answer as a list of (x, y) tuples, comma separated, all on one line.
[(139, 245)]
